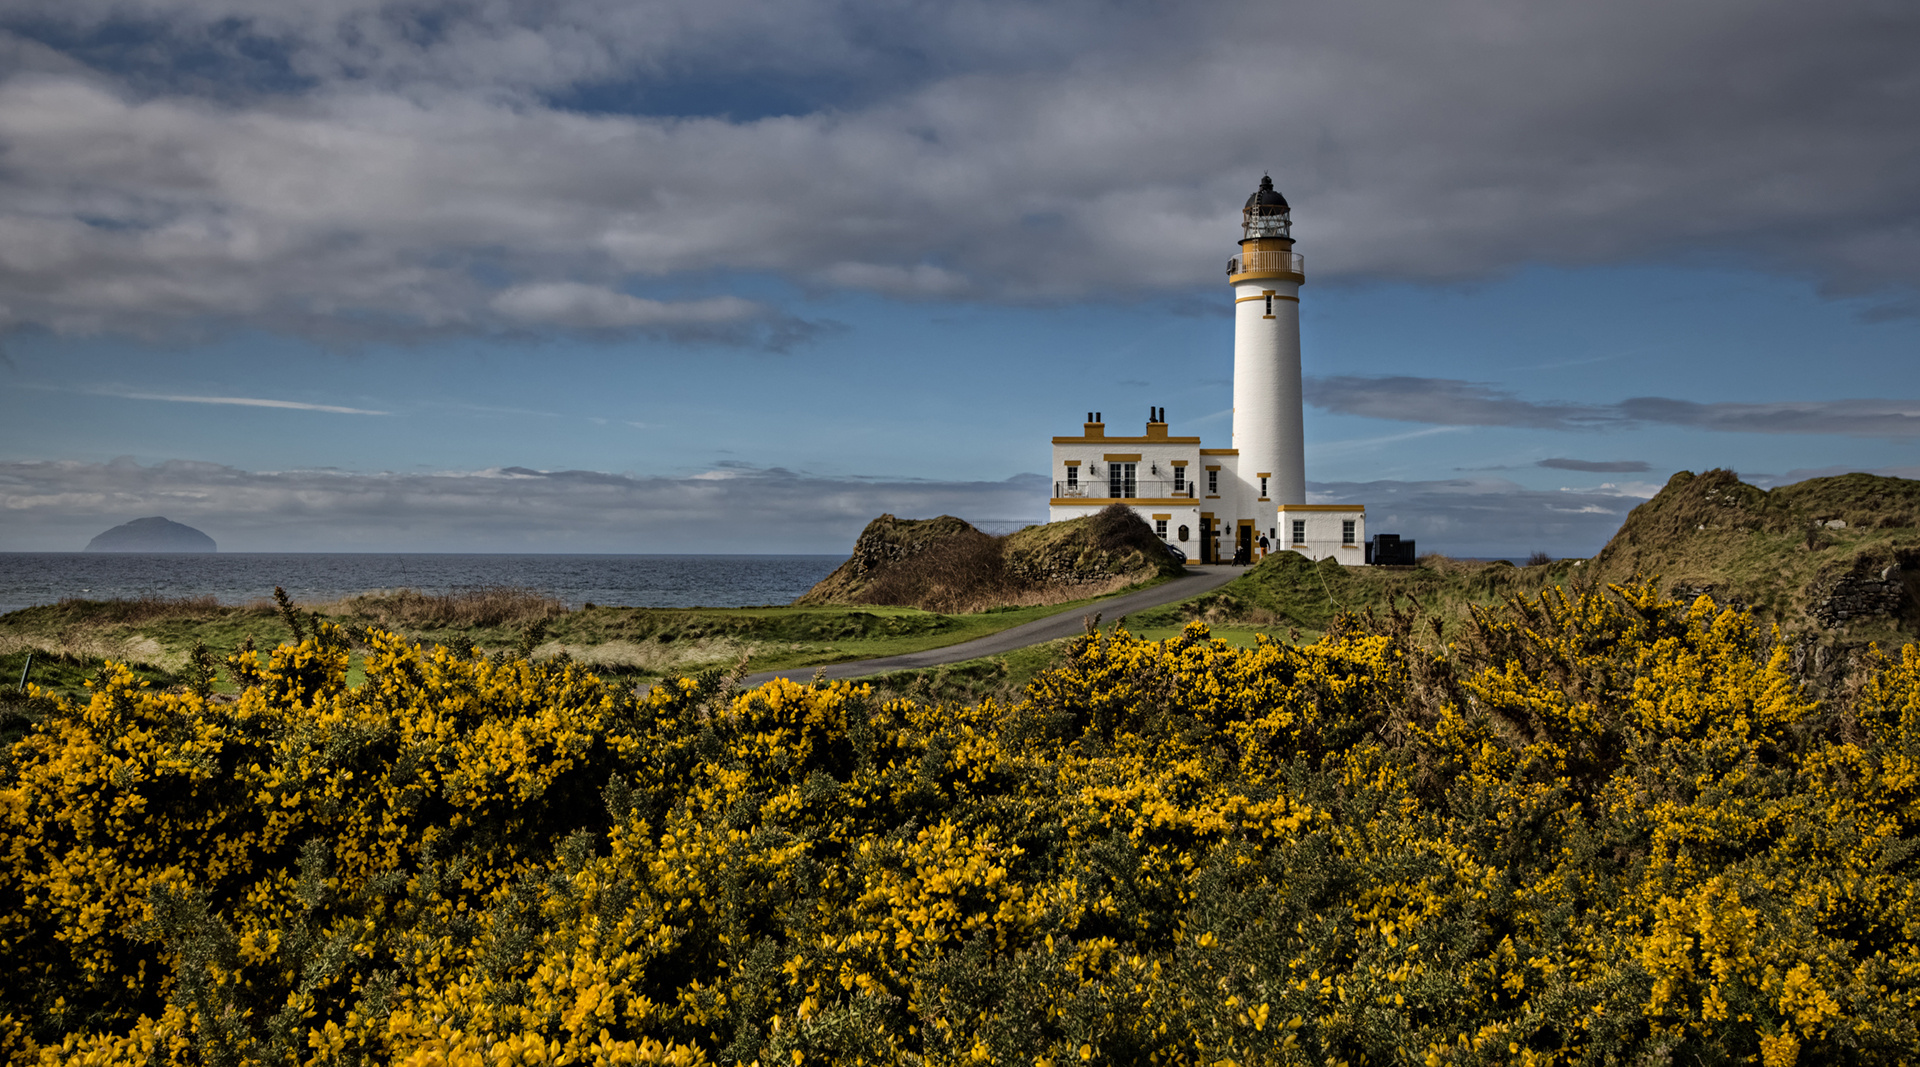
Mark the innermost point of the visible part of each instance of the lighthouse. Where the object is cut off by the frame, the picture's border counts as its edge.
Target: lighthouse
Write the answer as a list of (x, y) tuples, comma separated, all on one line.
[(1266, 277), (1226, 505)]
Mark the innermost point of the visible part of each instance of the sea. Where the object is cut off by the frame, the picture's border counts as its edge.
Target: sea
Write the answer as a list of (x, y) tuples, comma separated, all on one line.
[(28, 579)]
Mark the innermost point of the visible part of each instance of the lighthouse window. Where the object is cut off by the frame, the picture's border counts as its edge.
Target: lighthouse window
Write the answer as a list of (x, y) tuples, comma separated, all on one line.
[(1160, 527), (1073, 477), (1263, 487), (1213, 482), (1121, 480), (1299, 531), (1179, 479), (1346, 531), (1269, 305)]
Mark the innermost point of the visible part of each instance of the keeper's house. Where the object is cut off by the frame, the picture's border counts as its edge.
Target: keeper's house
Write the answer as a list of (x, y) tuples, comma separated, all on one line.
[(1226, 505)]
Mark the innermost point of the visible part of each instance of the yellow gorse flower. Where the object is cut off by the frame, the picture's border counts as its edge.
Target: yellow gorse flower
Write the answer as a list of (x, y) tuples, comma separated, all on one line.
[(1604, 826)]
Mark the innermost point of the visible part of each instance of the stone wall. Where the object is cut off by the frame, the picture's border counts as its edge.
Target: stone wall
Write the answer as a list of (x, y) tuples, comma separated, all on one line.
[(1860, 596)]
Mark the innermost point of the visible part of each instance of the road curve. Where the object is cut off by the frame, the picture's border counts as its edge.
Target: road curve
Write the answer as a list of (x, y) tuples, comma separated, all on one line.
[(1063, 624)]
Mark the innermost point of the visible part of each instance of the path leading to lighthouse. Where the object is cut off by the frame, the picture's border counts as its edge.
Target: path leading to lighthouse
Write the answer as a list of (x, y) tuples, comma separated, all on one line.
[(1195, 581)]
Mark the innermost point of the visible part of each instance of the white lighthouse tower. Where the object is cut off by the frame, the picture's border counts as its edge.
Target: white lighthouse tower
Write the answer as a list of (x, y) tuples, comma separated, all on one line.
[(1266, 277), (1227, 505)]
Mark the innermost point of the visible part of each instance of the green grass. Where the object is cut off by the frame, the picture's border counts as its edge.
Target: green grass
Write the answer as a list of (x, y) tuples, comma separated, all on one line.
[(71, 640), (1002, 678), (1286, 593)]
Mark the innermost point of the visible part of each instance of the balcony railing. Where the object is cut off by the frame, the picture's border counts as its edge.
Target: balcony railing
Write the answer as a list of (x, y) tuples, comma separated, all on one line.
[(1283, 262), (1100, 489)]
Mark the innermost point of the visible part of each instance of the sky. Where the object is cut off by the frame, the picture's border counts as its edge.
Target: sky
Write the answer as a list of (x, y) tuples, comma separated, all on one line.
[(715, 276)]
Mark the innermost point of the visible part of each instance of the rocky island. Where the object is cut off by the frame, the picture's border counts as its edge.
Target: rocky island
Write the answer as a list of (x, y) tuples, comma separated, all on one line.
[(155, 534)]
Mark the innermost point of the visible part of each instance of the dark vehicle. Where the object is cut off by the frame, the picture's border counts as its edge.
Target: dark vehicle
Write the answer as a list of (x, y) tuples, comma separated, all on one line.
[(1388, 550), (1178, 556)]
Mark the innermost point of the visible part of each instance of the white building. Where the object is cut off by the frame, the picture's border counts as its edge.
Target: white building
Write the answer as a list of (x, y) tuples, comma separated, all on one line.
[(1219, 504)]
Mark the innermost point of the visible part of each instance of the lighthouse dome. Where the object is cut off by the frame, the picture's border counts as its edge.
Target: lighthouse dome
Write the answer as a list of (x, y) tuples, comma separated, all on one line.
[(1266, 213)]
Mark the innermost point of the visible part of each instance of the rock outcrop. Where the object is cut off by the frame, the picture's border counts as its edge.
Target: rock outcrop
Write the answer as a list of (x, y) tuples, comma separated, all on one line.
[(153, 534), (947, 565)]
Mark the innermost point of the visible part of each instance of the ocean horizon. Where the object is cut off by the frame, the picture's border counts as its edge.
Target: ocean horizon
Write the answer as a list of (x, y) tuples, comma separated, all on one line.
[(30, 579)]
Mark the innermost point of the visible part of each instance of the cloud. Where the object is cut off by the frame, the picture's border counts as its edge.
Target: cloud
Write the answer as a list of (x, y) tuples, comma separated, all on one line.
[(1619, 466), (1451, 402), (406, 165), (1448, 402), (251, 402), (58, 506), (578, 306), (1854, 418), (1770, 481), (1485, 517)]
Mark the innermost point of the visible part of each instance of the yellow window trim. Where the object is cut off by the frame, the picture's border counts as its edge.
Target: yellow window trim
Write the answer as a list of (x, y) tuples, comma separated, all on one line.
[(1361, 508), (1167, 516), (1122, 457), (1126, 440), (1176, 463), (1073, 463)]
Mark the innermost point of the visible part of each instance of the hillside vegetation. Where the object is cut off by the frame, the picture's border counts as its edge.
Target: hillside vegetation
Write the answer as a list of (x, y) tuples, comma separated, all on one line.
[(947, 565), (156, 638), (1834, 562), (1595, 827)]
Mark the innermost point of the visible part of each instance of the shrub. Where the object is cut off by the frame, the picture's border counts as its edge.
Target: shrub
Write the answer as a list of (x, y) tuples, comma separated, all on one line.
[(1603, 827)]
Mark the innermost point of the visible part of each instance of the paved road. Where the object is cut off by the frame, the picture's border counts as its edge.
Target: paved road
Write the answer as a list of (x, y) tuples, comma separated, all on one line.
[(1197, 580)]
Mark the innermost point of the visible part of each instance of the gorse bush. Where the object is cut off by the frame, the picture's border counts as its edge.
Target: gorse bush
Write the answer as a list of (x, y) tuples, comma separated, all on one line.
[(1602, 828)]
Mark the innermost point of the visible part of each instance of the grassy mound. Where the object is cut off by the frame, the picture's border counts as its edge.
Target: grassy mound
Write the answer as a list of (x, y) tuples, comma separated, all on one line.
[(1786, 554), (947, 565)]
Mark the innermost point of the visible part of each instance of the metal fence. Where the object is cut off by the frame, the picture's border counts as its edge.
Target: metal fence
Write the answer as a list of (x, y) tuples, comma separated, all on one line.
[(1289, 262), (1102, 489)]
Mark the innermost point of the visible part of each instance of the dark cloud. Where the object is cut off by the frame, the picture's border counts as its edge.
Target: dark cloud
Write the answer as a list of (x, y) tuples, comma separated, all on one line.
[(1447, 402), (1615, 466), (1855, 418), (361, 166), (1451, 402)]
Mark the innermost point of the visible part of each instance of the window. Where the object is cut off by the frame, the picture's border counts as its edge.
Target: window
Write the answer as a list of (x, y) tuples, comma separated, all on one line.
[(1213, 483), (1073, 477), (1269, 305), (1346, 531), (1299, 531), (1121, 480), (1160, 527), (1179, 479), (1263, 487)]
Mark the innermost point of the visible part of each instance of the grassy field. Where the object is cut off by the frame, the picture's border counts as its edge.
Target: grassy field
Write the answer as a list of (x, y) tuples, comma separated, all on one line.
[(70, 640)]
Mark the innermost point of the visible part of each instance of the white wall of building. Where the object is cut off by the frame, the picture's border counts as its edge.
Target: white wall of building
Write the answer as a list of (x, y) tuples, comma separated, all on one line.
[(1324, 532)]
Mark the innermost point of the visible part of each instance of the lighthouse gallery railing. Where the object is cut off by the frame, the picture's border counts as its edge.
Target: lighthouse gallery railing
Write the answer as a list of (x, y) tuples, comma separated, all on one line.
[(1287, 262)]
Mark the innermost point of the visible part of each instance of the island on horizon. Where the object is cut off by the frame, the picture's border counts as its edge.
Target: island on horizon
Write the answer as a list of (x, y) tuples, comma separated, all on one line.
[(153, 534)]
